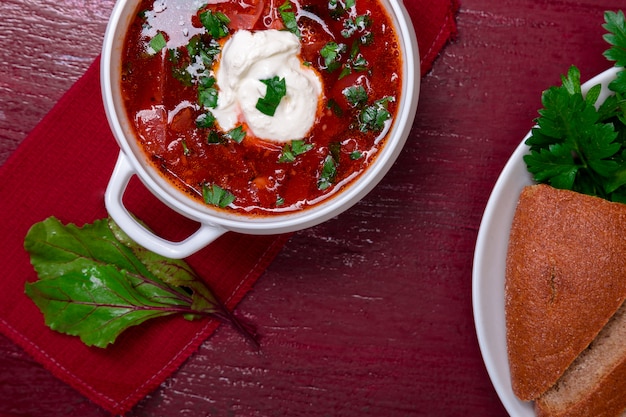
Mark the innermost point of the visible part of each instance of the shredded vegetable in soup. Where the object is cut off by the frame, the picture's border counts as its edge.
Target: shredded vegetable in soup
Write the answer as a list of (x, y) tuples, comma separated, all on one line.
[(261, 106)]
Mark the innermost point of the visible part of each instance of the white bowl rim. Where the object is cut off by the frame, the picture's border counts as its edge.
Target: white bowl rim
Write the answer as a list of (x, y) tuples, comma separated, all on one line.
[(278, 223)]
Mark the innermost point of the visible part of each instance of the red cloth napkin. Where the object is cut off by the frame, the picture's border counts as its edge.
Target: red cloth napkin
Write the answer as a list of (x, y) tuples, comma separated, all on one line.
[(62, 169)]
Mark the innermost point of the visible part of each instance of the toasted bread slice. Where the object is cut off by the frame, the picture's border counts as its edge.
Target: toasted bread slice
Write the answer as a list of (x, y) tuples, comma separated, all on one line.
[(565, 278), (595, 383)]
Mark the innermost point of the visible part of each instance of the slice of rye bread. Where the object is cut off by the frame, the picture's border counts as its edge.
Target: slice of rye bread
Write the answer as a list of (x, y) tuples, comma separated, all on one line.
[(565, 278), (595, 383)]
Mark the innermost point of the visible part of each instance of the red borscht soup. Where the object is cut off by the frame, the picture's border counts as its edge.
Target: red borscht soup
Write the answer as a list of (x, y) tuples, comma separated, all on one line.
[(261, 106)]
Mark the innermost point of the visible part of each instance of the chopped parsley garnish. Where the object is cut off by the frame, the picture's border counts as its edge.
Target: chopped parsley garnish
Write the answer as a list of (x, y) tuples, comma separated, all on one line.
[(276, 90), (217, 196), (206, 51), (331, 52), (356, 95), (237, 134), (367, 38), (289, 18), (205, 120), (179, 67), (373, 117), (216, 23), (157, 43), (213, 138), (359, 24), (186, 150), (338, 8), (577, 144), (356, 155), (328, 174), (293, 149), (334, 107), (194, 61), (354, 27), (355, 62), (207, 94)]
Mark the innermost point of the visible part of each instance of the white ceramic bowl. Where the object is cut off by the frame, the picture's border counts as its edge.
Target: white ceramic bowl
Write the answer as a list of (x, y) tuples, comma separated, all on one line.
[(490, 261), (213, 222)]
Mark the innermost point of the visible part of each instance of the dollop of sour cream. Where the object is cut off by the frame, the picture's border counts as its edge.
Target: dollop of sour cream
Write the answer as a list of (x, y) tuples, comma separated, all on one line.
[(249, 57)]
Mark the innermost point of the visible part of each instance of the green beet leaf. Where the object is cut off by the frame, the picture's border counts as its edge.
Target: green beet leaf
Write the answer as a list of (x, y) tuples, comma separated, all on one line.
[(95, 282), (174, 272), (99, 304)]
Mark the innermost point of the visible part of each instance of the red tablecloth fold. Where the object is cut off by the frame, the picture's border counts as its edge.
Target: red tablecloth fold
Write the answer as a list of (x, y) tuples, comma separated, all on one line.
[(62, 169)]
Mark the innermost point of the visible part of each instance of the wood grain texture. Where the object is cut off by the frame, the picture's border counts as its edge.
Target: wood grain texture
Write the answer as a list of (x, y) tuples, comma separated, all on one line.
[(47, 46), (368, 314)]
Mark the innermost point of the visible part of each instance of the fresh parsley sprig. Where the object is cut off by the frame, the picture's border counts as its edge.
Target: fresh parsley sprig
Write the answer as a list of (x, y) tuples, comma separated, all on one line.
[(574, 145), (579, 144)]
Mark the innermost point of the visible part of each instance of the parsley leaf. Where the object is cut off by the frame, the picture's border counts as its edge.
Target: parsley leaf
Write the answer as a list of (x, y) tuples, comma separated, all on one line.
[(237, 134), (356, 155), (356, 61), (331, 52), (206, 51), (293, 149), (214, 138), (618, 85), (216, 23), (205, 120), (328, 173), (179, 70), (616, 26), (207, 94), (572, 147), (373, 117), (276, 90), (334, 107), (289, 18), (356, 95), (215, 195), (157, 43), (358, 24), (337, 8)]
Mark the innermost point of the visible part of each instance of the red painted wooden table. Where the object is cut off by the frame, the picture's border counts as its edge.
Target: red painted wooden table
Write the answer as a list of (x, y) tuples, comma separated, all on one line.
[(369, 314)]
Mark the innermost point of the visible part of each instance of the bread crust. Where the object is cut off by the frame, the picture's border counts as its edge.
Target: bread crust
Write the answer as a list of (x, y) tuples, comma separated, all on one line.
[(595, 383), (565, 278)]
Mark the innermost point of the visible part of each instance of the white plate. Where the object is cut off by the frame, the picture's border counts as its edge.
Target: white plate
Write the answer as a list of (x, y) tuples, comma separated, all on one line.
[(489, 266)]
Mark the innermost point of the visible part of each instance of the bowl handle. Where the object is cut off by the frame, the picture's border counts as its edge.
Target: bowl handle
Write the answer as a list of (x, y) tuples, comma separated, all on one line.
[(120, 178)]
